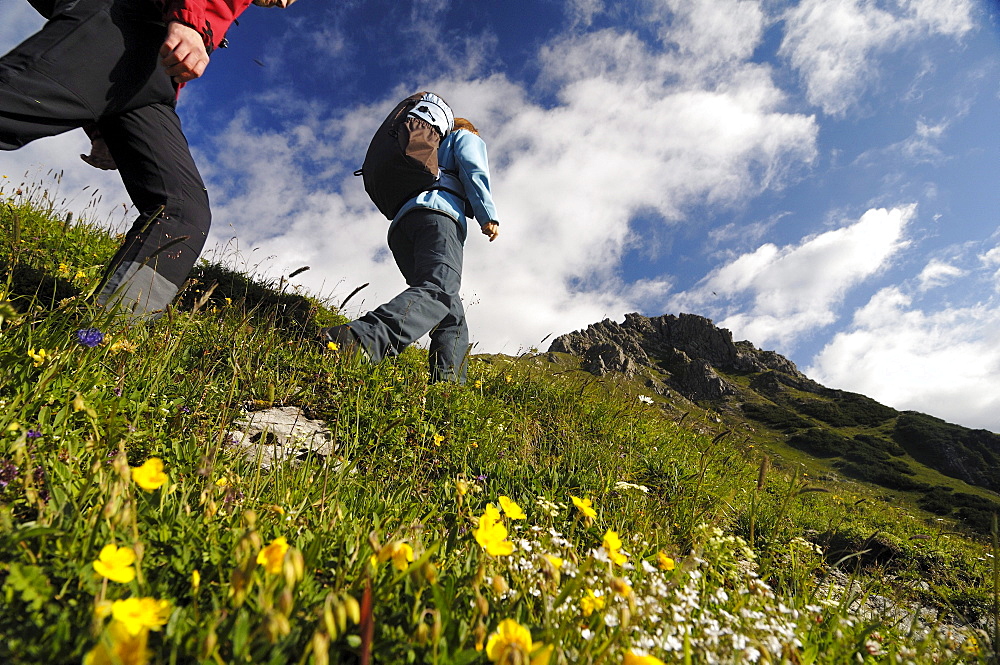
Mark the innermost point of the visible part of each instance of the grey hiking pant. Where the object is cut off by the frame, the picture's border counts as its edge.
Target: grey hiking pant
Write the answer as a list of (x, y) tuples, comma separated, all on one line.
[(97, 62), (428, 247)]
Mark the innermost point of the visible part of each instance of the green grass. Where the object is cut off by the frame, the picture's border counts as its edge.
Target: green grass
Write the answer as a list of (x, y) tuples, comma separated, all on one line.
[(768, 564)]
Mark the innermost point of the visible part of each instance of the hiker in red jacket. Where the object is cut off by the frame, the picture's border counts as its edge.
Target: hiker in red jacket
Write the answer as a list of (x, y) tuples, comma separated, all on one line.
[(116, 66)]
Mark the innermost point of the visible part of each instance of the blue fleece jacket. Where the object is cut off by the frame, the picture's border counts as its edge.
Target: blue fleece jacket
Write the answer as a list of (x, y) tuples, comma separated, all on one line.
[(464, 168)]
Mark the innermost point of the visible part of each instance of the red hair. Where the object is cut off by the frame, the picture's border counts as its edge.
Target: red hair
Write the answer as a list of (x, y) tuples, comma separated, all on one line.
[(462, 123)]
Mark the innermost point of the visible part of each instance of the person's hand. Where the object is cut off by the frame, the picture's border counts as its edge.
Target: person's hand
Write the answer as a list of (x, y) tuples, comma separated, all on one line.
[(100, 157), (492, 230), (183, 53)]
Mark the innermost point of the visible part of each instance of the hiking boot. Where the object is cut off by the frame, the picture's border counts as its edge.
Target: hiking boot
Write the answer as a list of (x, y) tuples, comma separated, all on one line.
[(343, 340)]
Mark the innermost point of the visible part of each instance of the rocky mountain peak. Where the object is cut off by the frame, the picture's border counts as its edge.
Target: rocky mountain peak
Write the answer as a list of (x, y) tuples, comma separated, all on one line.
[(688, 346)]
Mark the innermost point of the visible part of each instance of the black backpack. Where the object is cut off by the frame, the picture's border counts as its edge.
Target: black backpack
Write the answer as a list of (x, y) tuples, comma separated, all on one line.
[(402, 159)]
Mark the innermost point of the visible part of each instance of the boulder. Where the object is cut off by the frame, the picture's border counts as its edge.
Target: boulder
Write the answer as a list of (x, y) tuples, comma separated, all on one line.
[(281, 433)]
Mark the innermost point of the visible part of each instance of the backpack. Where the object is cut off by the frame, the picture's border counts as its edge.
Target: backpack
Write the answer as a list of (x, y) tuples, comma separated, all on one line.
[(402, 159)]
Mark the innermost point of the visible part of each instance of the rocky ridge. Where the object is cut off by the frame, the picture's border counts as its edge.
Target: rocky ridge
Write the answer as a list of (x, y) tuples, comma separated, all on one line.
[(689, 347)]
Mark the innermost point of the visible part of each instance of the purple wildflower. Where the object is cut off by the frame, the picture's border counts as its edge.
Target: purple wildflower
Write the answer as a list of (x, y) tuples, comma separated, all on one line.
[(8, 472), (33, 434), (39, 478), (89, 336), (232, 495)]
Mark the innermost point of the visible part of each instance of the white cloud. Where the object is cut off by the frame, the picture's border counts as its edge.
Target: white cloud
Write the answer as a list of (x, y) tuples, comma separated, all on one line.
[(714, 32), (795, 289), (20, 20), (945, 363), (924, 139), (921, 147), (628, 135), (582, 12), (938, 273), (52, 166), (836, 44)]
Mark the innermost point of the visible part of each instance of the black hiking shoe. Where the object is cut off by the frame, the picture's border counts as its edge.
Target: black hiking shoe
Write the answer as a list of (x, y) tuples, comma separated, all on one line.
[(341, 339)]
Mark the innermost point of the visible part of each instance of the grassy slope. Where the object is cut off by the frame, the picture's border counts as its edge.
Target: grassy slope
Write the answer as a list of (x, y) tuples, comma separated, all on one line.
[(75, 419)]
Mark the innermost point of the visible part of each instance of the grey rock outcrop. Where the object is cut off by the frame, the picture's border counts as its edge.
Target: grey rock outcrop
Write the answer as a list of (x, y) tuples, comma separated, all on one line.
[(690, 347), (280, 433)]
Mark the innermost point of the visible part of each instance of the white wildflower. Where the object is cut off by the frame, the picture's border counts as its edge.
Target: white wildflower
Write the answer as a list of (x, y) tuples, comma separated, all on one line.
[(622, 485)]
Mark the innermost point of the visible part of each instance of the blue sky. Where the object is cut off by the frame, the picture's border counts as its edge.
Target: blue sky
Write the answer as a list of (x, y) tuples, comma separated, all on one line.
[(816, 176)]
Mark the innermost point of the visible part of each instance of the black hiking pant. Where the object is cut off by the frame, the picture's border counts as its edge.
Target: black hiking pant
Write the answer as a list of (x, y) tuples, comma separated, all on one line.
[(97, 62)]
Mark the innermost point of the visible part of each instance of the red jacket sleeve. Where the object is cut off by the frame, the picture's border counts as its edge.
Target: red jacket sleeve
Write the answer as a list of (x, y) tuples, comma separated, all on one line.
[(211, 18)]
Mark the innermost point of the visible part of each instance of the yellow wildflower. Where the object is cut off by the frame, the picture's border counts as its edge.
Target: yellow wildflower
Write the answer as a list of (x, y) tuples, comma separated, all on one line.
[(613, 544), (492, 514), (332, 346), (633, 658), (115, 563), (438, 439), (122, 649), (663, 562), (492, 534), (39, 356), (542, 655), (102, 609), (122, 345), (622, 587), (195, 579), (402, 556), (583, 505), (556, 562), (591, 602), (272, 557), (137, 614), (399, 552), (150, 475), (511, 509), (511, 645), (462, 486), (477, 384)]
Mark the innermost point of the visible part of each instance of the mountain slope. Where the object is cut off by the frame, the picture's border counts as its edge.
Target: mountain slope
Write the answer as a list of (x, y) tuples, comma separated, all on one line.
[(945, 469)]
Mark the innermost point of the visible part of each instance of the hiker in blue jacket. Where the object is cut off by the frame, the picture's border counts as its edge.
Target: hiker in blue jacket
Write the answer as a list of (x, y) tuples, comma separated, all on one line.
[(426, 238)]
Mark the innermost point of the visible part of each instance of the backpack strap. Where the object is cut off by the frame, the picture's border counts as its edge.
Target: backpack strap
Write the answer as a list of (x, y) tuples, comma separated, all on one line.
[(469, 212)]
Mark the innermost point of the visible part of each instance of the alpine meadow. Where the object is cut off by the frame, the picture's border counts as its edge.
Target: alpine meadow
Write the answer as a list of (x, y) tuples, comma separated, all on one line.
[(541, 513)]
